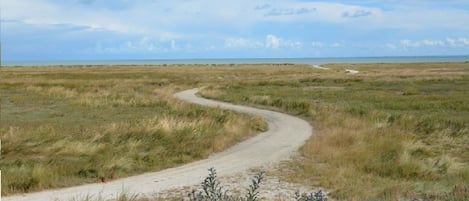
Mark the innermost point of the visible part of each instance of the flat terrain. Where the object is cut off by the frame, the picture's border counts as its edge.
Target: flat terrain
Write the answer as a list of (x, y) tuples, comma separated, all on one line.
[(285, 135), (65, 126), (389, 131)]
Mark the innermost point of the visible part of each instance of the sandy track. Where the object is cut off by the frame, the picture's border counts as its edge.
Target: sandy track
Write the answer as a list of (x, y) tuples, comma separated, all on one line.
[(283, 138)]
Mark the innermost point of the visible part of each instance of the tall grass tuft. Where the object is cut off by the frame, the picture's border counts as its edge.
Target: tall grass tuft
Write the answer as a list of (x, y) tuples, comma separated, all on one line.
[(64, 126), (381, 136)]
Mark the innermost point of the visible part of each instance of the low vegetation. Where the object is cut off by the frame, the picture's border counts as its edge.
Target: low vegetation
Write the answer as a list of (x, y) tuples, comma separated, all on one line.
[(213, 190), (392, 131), (63, 126)]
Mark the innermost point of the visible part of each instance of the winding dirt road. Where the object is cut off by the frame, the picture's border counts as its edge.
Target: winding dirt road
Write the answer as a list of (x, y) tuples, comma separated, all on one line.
[(283, 138)]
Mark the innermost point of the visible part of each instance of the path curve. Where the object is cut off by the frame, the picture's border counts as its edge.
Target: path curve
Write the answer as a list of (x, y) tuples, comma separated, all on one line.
[(284, 137)]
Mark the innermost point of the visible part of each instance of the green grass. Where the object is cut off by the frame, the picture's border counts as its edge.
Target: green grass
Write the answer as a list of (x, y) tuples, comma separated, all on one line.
[(391, 131), (68, 126)]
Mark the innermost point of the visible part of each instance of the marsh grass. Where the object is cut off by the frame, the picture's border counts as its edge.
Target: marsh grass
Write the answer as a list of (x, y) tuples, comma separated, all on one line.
[(392, 131), (63, 126)]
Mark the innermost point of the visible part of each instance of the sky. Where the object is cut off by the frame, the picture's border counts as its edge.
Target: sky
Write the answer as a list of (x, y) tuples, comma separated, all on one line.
[(188, 29)]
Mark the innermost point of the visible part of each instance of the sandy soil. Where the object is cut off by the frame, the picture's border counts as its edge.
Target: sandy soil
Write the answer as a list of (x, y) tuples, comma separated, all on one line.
[(350, 71), (319, 67), (285, 135)]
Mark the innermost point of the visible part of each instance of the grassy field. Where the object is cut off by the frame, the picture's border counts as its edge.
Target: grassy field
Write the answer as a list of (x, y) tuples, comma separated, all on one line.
[(391, 131), (67, 126)]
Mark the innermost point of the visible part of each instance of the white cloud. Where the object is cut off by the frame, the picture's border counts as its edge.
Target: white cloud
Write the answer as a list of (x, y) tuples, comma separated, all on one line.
[(178, 25), (272, 41), (464, 41), (43, 13), (144, 44), (456, 42), (242, 43), (447, 43), (319, 11), (432, 43), (295, 44), (337, 45), (289, 11), (450, 41), (318, 44), (357, 13), (408, 43), (157, 18)]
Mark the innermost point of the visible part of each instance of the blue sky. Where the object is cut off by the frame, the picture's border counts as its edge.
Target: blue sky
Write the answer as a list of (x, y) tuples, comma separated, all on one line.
[(178, 29)]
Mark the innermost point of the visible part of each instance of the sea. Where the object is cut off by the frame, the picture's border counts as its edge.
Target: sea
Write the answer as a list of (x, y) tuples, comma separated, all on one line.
[(310, 61)]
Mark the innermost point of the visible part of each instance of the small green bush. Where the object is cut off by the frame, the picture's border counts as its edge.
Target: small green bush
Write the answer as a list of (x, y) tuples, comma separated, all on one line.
[(212, 190)]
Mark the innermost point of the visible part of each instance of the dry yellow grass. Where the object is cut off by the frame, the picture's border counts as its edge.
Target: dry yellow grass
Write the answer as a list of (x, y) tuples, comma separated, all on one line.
[(64, 126), (390, 132)]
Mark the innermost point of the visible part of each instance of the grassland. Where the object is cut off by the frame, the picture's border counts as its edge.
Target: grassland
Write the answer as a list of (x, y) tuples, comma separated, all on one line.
[(391, 131), (67, 126)]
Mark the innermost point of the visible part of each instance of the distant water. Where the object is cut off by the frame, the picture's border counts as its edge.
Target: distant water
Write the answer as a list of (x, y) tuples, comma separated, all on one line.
[(311, 61)]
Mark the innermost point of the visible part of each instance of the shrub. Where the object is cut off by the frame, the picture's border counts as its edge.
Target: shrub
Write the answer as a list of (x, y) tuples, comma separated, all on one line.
[(213, 191)]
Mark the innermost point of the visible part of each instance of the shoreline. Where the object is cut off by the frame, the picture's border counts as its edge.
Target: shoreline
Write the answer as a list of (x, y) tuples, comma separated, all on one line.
[(242, 61)]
